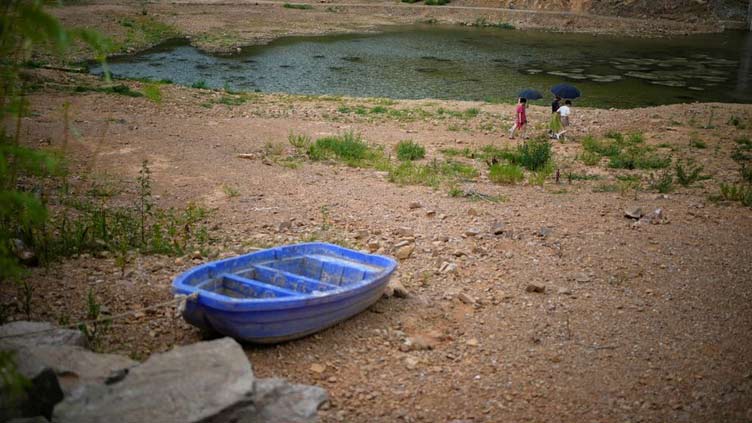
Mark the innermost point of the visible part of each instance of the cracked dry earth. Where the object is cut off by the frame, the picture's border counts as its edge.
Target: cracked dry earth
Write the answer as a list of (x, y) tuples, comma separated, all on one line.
[(635, 322)]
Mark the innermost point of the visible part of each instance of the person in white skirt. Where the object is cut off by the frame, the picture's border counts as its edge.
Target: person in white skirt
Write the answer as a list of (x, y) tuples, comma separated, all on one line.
[(564, 111)]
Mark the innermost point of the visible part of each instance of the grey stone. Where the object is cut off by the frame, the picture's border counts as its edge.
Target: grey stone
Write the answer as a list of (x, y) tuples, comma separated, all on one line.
[(41, 395), (497, 228), (633, 212), (540, 289), (36, 419), (40, 333), (204, 382), (76, 366), (544, 232), (278, 401), (395, 289), (404, 251)]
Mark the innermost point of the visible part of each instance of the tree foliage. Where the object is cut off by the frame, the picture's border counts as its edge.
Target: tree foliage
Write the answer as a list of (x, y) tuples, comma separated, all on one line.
[(26, 30)]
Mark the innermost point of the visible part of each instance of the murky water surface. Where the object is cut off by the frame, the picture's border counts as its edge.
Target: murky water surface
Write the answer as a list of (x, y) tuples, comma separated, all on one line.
[(469, 64)]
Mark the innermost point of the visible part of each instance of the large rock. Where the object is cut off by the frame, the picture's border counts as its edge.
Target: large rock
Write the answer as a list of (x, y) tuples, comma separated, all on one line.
[(40, 333), (208, 382), (75, 366), (204, 382), (278, 401), (40, 396)]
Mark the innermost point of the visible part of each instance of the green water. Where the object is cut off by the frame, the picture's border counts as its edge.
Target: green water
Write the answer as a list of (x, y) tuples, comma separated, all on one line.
[(452, 62)]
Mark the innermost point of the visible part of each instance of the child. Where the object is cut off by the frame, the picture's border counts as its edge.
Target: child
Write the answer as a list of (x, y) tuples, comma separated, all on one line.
[(520, 118), (564, 112), (555, 125)]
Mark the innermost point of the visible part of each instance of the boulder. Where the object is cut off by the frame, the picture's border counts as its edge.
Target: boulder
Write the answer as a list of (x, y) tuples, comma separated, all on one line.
[(207, 382), (40, 396), (75, 366), (278, 401), (40, 333), (204, 382)]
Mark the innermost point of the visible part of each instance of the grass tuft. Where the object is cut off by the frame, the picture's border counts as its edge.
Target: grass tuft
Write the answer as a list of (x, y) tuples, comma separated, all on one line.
[(505, 174), (299, 6), (408, 150)]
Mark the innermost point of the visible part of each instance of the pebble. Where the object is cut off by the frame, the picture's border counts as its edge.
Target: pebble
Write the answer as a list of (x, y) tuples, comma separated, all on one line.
[(373, 246), (404, 252), (419, 343), (411, 362), (535, 288), (430, 213), (497, 228), (196, 255), (415, 205), (581, 277), (633, 212), (318, 368), (466, 298), (472, 232), (395, 289), (473, 342)]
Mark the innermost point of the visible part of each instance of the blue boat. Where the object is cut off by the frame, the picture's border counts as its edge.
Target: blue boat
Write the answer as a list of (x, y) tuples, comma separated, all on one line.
[(282, 293)]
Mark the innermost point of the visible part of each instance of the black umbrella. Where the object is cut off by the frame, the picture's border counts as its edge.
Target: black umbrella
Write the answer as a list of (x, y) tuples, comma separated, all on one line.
[(530, 94), (565, 91)]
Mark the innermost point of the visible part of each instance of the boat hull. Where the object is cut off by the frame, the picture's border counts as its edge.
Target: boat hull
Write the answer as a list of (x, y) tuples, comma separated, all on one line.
[(291, 311)]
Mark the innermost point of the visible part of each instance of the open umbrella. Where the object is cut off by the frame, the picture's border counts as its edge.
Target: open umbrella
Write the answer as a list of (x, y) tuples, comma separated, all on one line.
[(565, 91), (530, 94)]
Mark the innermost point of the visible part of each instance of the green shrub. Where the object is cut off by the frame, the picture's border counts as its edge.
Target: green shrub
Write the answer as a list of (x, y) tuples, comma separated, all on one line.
[(120, 89), (534, 154), (664, 183), (348, 148), (436, 2), (690, 175), (432, 174), (734, 192), (590, 158), (201, 84), (408, 150), (602, 148), (746, 173), (505, 174), (637, 158), (300, 142), (153, 92), (697, 143)]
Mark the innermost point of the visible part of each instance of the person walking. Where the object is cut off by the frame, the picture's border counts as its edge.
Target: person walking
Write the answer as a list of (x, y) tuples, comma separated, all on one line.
[(520, 122), (555, 124), (564, 112)]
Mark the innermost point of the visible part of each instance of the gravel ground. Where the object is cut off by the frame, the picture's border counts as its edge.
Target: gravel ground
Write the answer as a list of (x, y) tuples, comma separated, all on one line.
[(646, 322)]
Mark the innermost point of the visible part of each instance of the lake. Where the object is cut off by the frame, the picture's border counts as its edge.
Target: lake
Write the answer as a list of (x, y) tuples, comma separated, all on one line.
[(463, 63)]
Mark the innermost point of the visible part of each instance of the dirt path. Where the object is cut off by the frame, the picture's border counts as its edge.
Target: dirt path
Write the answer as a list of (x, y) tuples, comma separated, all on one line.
[(637, 323)]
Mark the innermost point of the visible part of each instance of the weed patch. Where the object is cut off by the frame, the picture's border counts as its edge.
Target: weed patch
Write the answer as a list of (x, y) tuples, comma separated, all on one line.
[(120, 89), (505, 174), (689, 175), (737, 192), (663, 183), (534, 154), (200, 84), (300, 6), (432, 174), (408, 150)]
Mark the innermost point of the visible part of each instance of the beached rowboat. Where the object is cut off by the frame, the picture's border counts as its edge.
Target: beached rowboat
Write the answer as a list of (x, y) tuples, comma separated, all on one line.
[(284, 292)]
